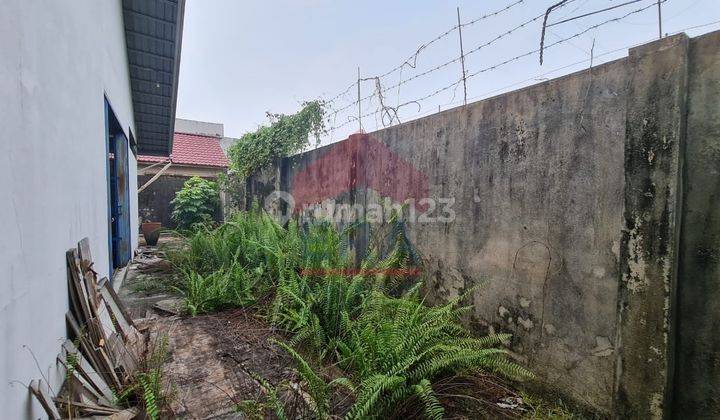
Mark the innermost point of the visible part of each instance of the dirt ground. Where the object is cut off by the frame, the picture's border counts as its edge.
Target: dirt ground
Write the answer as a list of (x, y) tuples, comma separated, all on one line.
[(214, 360)]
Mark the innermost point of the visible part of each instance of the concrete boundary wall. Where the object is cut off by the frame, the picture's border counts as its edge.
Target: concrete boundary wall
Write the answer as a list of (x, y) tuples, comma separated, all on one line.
[(697, 364), (586, 206)]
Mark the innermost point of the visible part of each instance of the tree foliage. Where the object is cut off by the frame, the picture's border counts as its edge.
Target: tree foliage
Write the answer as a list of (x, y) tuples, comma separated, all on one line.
[(195, 203), (286, 134)]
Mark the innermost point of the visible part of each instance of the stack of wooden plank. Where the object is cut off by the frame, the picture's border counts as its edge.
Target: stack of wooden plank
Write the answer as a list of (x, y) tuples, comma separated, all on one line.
[(102, 352)]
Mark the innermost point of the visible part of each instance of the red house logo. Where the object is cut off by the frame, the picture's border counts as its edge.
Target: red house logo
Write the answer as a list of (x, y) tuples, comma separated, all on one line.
[(360, 162)]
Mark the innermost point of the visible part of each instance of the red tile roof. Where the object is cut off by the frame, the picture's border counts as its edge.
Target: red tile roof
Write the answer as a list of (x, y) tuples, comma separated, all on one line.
[(193, 150)]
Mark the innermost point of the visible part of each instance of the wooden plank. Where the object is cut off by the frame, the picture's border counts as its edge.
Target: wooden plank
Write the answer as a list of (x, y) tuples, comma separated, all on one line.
[(97, 398), (93, 295), (128, 330), (122, 346), (88, 408), (79, 276), (104, 283), (108, 363), (112, 375), (84, 253), (88, 274), (95, 355), (84, 395), (95, 332), (123, 354), (116, 349), (78, 287), (40, 390), (75, 307), (105, 319), (88, 372), (85, 344)]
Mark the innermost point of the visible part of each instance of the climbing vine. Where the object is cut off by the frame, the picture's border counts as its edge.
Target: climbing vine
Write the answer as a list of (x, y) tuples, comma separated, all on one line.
[(286, 134)]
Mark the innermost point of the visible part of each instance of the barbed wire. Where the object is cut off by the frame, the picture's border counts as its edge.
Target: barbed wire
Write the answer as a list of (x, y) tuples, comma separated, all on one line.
[(411, 61), (502, 63), (334, 98), (447, 63), (489, 15), (564, 67)]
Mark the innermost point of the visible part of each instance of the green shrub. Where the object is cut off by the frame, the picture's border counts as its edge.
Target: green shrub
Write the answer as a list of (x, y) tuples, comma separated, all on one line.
[(235, 264), (196, 203), (254, 240)]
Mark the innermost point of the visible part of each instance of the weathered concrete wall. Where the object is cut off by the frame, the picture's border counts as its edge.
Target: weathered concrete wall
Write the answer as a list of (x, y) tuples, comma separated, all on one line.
[(537, 178), (654, 140), (697, 384), (568, 198)]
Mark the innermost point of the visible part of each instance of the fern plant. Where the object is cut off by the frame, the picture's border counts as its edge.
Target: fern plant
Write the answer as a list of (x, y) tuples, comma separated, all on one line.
[(235, 264), (221, 289), (398, 346), (318, 389), (372, 323), (151, 388), (318, 310), (147, 385)]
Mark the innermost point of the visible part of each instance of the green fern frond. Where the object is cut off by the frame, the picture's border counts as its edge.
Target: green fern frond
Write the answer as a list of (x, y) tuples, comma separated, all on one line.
[(317, 387), (432, 408), (150, 383), (372, 389)]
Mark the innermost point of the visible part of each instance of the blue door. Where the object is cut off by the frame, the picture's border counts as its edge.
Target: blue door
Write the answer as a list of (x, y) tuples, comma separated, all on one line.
[(120, 200)]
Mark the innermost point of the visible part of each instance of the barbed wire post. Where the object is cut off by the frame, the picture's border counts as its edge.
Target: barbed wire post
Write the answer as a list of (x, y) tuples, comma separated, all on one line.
[(660, 19), (359, 102), (462, 58), (544, 26)]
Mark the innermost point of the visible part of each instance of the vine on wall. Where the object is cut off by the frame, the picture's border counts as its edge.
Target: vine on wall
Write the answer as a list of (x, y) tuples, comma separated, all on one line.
[(286, 135)]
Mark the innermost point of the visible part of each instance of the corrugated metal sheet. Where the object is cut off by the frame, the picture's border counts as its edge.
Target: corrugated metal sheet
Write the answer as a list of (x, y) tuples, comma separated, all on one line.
[(153, 33)]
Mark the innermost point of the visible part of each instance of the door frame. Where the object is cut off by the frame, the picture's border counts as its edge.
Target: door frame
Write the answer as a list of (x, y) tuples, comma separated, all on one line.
[(119, 228)]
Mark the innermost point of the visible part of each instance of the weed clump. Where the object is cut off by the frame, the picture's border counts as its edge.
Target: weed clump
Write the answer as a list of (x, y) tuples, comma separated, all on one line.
[(371, 321)]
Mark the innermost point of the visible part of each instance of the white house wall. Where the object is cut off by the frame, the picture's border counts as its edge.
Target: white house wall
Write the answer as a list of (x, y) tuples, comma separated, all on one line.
[(57, 60)]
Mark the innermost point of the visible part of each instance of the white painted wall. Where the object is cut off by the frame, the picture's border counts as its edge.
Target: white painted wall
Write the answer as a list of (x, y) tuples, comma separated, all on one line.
[(57, 60), (202, 128)]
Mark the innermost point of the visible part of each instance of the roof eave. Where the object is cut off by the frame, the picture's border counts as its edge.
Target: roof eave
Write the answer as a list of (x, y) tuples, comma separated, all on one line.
[(178, 51), (153, 34)]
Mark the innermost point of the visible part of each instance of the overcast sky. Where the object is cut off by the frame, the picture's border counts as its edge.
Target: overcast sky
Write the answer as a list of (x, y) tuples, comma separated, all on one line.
[(243, 58)]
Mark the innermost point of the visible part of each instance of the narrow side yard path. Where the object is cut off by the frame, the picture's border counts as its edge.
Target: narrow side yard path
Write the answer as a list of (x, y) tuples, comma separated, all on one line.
[(214, 360)]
